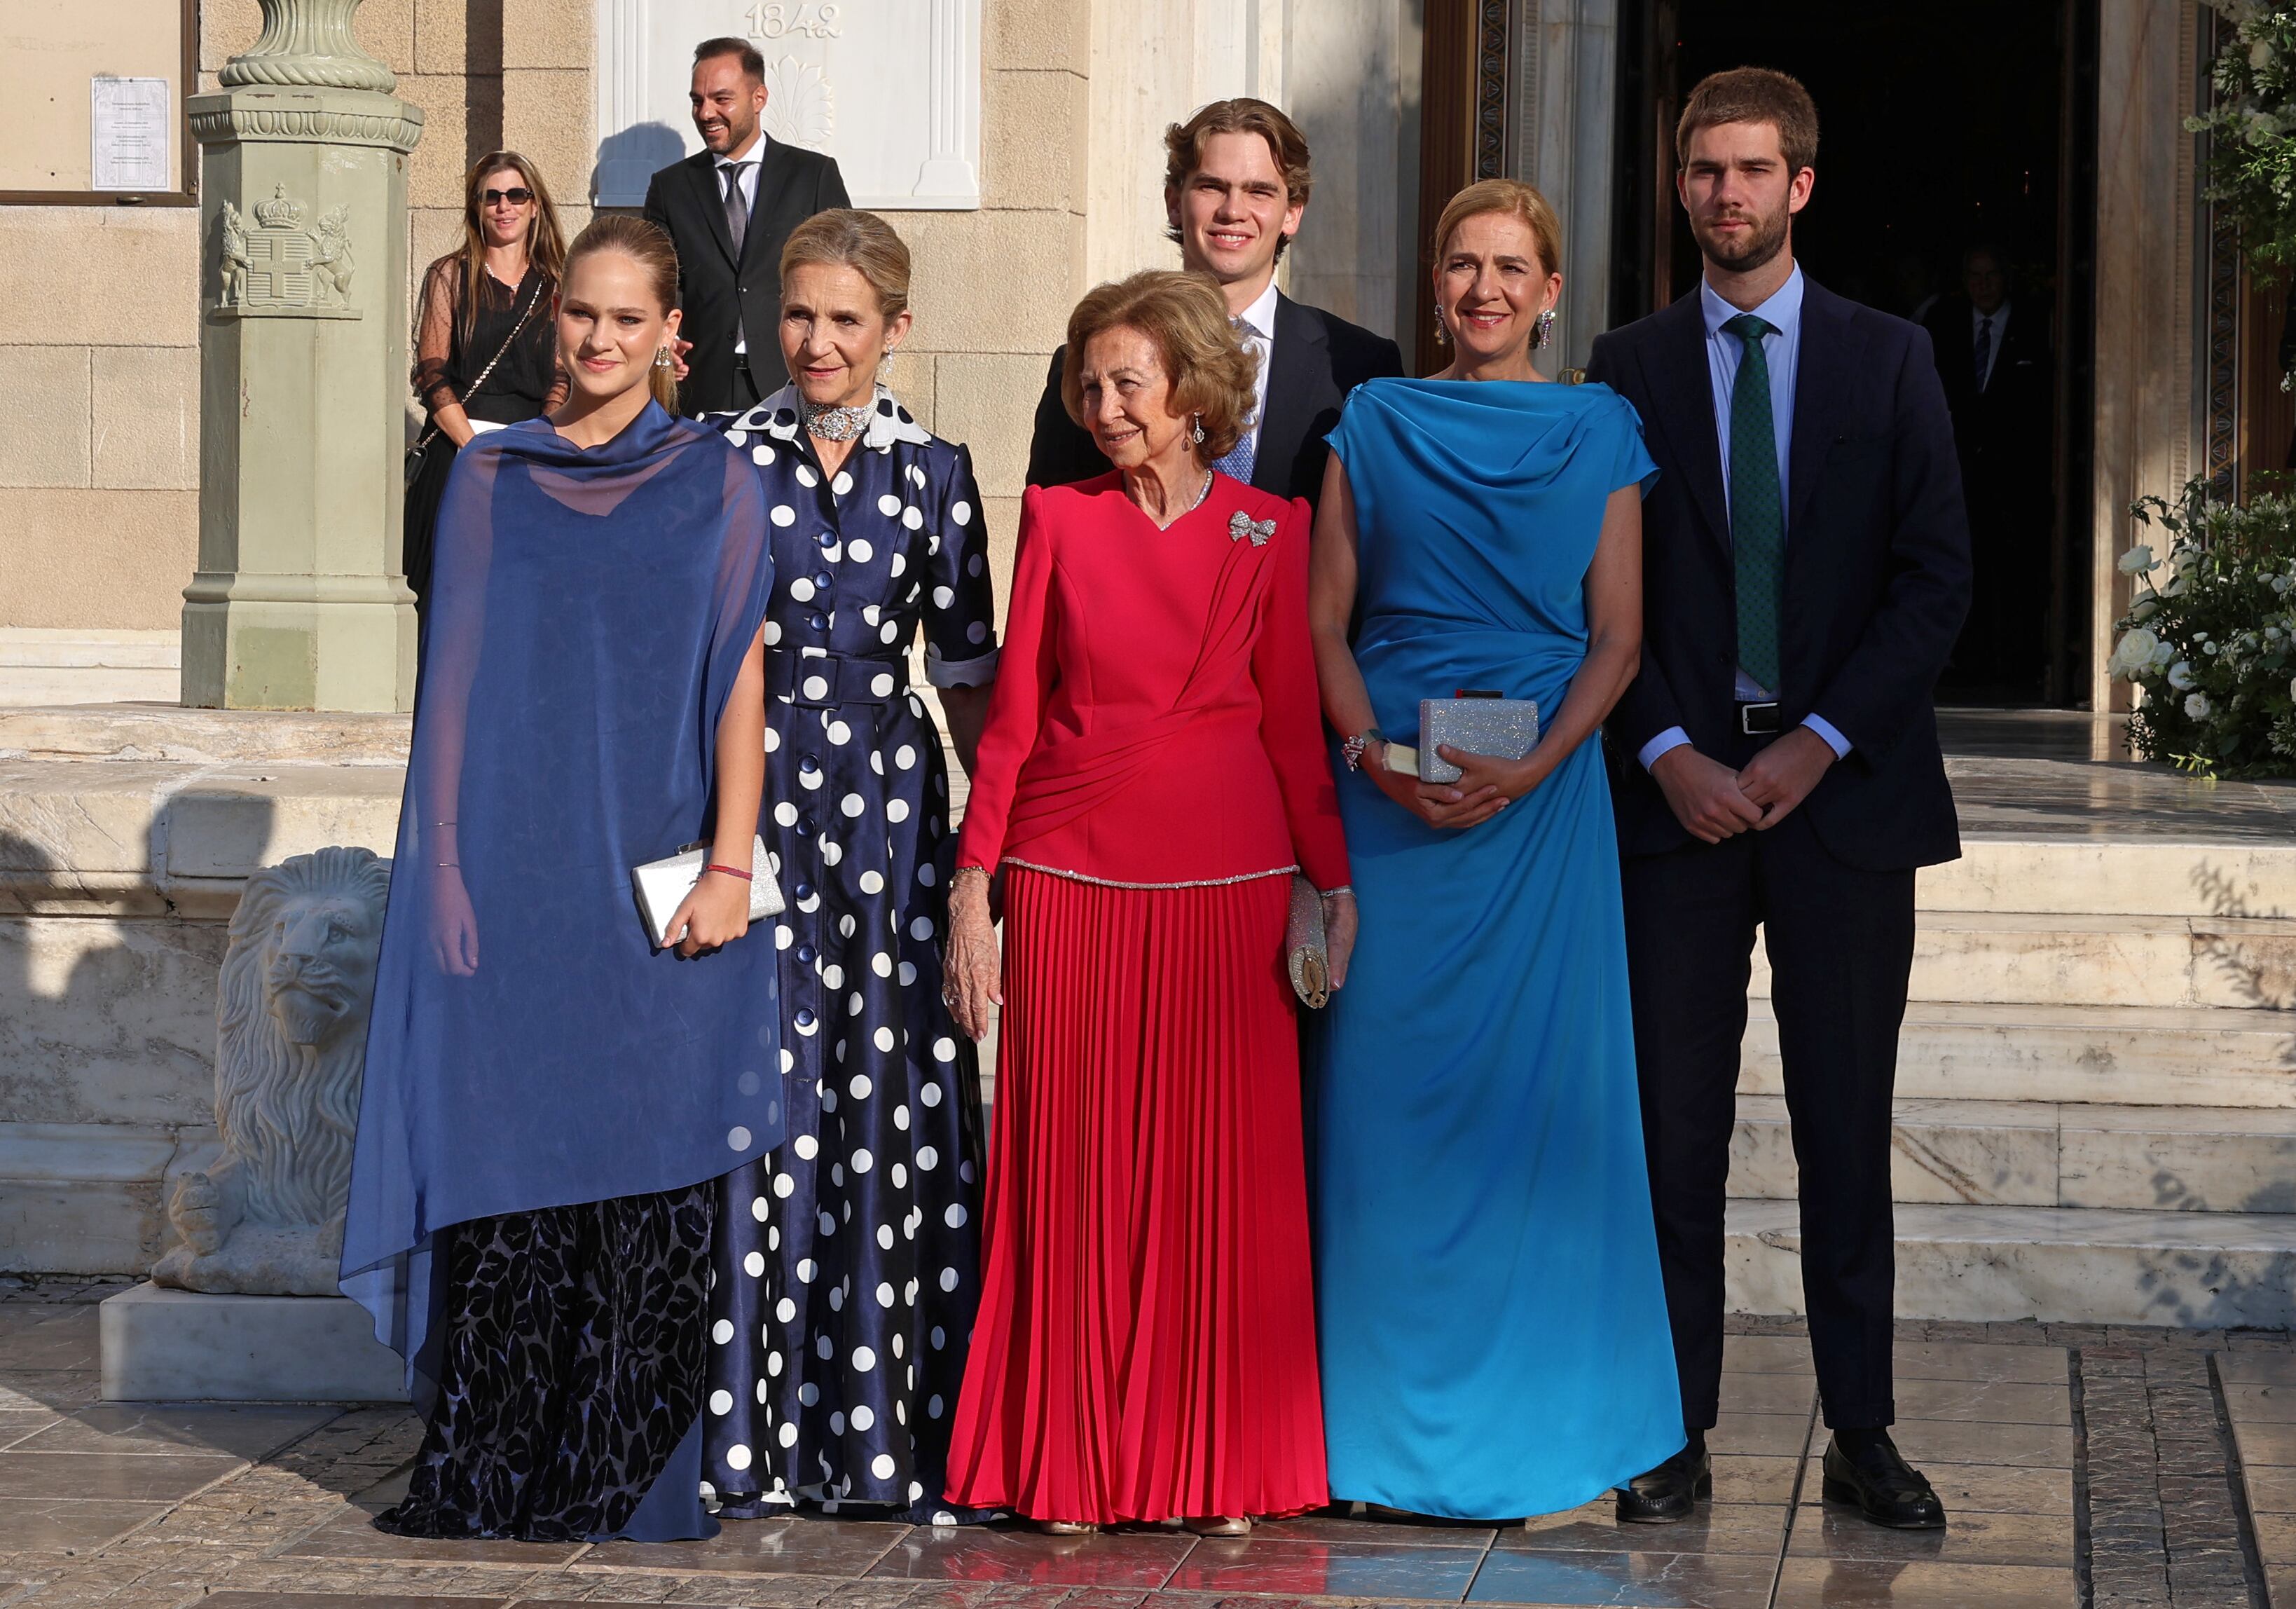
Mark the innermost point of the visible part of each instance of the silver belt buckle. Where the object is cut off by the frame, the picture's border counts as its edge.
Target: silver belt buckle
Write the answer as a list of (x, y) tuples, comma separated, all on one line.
[(1759, 720)]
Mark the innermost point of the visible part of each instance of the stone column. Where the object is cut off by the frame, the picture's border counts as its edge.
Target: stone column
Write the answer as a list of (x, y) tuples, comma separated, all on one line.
[(298, 603), (1564, 74)]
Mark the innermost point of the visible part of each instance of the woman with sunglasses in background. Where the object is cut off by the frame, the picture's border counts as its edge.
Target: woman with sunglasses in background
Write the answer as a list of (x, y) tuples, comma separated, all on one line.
[(483, 352)]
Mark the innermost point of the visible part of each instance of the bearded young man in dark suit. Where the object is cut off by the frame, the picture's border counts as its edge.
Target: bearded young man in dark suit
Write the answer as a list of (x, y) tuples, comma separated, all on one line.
[(728, 208), (1236, 178), (1805, 569)]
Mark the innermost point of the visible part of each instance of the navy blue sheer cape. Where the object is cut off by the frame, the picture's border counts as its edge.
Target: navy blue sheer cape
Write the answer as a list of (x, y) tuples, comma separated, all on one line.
[(590, 614)]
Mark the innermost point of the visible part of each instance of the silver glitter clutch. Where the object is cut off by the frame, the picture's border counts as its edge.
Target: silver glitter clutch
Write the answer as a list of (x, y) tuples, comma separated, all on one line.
[(662, 885), (1505, 728), (1307, 955)]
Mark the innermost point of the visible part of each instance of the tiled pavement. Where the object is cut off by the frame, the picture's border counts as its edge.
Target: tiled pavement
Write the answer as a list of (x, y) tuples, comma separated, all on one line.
[(2259, 1397), (2080, 1467)]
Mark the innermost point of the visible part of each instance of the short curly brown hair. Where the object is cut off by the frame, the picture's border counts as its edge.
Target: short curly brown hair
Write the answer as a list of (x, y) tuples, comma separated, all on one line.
[(1213, 372), (1184, 149), (1754, 94)]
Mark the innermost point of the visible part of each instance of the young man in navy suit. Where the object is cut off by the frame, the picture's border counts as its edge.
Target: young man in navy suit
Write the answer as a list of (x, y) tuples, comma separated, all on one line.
[(1805, 571), (1236, 178)]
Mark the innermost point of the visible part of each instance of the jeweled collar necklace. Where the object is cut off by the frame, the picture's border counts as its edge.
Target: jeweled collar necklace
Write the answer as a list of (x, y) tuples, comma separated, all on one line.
[(836, 424), (785, 416)]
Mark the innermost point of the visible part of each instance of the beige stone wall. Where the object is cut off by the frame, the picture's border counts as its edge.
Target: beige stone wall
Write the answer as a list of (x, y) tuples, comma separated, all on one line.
[(99, 472), (98, 507), (991, 290), (99, 465)]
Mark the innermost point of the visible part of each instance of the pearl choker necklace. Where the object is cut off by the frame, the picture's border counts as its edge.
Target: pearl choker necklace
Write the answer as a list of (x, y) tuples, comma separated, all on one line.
[(837, 423)]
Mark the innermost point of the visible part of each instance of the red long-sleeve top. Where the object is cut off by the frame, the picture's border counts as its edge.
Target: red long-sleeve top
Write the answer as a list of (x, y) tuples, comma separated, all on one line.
[(1155, 721)]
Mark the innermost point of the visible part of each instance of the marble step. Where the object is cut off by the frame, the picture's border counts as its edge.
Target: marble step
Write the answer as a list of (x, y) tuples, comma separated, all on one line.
[(70, 648), (2125, 875), (2007, 957), (2123, 1055), (51, 665), (2065, 1265), (2038, 1154)]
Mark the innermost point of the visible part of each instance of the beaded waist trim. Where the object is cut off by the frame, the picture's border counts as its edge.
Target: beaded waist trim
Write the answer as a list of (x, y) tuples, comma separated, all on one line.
[(1110, 882)]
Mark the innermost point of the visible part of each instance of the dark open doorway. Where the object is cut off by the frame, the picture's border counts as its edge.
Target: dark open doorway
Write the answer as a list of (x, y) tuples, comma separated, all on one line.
[(1947, 126)]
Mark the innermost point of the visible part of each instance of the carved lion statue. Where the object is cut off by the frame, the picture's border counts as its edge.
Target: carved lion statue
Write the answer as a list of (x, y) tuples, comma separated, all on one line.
[(296, 988)]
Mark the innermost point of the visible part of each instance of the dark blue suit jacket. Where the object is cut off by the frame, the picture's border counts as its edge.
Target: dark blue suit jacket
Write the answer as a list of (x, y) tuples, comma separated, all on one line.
[(1877, 575)]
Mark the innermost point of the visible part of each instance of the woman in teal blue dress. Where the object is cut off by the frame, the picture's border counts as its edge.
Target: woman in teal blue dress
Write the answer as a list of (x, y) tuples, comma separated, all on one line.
[(1493, 1325)]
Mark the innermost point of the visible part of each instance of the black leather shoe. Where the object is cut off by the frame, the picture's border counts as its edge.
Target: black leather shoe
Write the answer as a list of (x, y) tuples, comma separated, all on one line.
[(1882, 1485), (1671, 1492)]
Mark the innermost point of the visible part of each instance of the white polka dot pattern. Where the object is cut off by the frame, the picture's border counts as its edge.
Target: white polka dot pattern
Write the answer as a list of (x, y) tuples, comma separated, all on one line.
[(846, 1263)]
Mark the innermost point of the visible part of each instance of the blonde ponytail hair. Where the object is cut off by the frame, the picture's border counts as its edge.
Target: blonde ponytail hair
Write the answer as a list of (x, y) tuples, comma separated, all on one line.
[(647, 245)]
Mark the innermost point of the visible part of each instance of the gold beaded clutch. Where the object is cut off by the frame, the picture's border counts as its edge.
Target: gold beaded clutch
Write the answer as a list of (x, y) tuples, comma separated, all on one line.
[(1307, 955)]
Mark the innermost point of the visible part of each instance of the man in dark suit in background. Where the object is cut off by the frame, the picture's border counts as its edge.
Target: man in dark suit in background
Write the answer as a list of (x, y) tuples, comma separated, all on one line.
[(1993, 356), (1235, 185), (728, 208), (1805, 568)]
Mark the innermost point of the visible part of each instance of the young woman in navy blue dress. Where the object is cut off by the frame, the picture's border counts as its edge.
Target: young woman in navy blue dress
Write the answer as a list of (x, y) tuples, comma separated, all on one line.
[(846, 1260)]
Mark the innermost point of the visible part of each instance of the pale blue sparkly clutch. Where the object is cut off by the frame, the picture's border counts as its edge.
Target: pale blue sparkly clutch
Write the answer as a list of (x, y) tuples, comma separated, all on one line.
[(1505, 728)]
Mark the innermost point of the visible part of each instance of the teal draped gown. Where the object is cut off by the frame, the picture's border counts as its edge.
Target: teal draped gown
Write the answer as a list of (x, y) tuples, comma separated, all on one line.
[(1493, 1325)]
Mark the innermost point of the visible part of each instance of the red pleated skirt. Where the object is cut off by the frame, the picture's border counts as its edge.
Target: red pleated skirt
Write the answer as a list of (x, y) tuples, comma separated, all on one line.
[(1145, 1348)]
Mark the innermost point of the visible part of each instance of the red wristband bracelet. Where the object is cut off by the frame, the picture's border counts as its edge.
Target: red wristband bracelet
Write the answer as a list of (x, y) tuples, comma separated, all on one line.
[(729, 871)]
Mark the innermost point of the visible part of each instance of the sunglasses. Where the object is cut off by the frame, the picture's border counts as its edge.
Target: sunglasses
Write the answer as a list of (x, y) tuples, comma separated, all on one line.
[(518, 197)]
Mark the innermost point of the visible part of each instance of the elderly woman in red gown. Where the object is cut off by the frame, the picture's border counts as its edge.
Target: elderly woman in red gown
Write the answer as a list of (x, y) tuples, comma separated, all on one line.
[(1152, 773)]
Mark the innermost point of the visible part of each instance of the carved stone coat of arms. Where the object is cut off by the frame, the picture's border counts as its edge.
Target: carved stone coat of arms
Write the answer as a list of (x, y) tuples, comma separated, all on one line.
[(279, 267)]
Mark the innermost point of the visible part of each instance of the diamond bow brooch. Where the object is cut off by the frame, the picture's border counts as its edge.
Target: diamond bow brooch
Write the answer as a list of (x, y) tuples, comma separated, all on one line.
[(1241, 525)]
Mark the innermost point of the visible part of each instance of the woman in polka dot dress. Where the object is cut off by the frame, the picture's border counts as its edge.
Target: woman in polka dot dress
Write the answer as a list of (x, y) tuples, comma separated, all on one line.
[(846, 1261)]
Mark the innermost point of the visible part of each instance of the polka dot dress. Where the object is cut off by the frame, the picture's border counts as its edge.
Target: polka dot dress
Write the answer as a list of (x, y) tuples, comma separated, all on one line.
[(846, 1262)]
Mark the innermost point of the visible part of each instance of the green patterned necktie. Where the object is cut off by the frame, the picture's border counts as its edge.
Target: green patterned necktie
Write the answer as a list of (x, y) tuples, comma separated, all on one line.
[(1758, 515)]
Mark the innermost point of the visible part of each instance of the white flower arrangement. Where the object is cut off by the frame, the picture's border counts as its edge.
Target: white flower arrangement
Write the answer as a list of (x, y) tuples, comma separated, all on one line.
[(2211, 642)]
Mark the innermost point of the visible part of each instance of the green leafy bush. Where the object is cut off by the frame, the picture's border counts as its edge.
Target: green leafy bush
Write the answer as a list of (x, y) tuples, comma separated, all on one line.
[(2251, 152), (2210, 635)]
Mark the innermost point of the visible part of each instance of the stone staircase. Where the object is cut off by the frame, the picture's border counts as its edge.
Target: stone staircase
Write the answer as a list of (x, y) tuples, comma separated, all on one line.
[(2097, 1080)]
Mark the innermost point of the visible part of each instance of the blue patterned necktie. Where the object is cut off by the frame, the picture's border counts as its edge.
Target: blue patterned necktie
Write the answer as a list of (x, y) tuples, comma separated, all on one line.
[(1239, 460), (1758, 520), (1983, 356)]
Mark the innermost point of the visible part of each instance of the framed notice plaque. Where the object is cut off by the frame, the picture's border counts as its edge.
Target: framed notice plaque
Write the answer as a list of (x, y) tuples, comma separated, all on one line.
[(891, 88), (92, 102)]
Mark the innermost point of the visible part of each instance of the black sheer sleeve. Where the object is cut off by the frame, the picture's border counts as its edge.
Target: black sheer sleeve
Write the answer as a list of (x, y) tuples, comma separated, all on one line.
[(434, 334)]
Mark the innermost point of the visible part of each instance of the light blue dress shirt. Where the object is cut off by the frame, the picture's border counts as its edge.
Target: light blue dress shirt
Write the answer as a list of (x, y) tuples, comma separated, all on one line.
[(1782, 347)]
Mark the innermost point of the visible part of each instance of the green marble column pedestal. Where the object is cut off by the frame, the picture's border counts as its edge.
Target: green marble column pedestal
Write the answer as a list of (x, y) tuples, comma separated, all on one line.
[(298, 603)]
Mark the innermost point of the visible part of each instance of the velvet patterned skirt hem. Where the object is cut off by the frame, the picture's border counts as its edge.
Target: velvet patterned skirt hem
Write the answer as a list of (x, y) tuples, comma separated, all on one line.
[(1146, 1346), (569, 1379)]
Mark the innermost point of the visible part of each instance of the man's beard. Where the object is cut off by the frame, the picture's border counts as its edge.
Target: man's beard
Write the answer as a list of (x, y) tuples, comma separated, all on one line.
[(1761, 243)]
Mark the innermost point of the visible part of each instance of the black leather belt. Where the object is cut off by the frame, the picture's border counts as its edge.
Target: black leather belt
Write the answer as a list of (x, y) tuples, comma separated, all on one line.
[(825, 681), (1759, 720)]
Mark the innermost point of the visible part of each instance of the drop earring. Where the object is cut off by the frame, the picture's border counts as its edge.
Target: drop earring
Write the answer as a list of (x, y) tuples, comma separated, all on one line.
[(1543, 333), (1196, 434), (664, 359), (1442, 330)]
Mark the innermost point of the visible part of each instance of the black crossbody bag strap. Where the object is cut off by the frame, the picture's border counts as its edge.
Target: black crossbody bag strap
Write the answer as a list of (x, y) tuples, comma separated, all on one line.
[(533, 301)]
